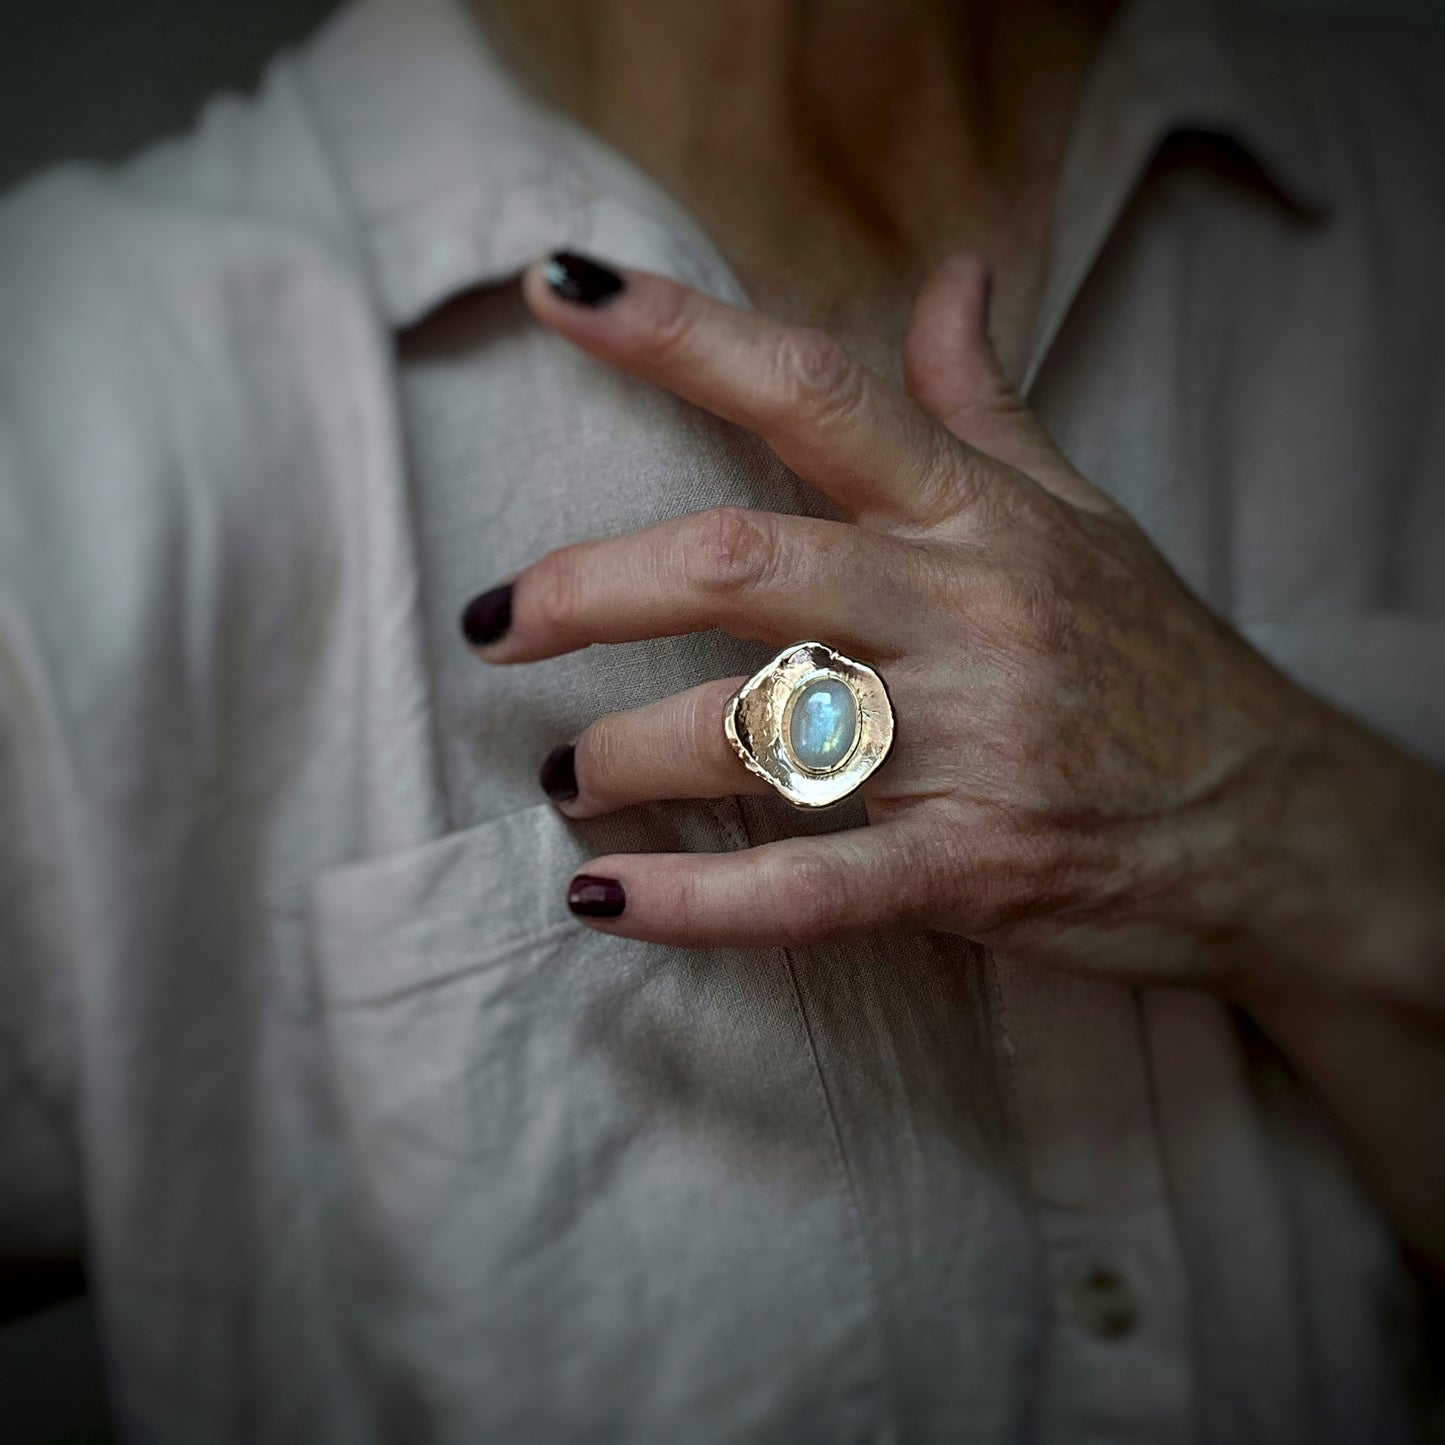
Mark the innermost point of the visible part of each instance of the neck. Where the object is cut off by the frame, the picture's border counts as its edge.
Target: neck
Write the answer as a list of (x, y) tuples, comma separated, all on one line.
[(821, 142)]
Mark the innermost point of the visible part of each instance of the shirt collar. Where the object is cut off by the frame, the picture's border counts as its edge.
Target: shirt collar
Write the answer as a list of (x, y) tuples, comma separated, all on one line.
[(1169, 66), (1212, 66), (457, 177)]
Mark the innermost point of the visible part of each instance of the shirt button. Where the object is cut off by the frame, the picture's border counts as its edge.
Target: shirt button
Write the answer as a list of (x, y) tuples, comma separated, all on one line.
[(1102, 1302)]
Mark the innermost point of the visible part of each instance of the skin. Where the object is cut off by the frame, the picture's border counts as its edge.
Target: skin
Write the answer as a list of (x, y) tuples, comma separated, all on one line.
[(1093, 772), (808, 138)]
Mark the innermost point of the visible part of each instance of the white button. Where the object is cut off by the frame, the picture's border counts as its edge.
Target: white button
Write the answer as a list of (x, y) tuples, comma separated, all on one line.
[(1102, 1302)]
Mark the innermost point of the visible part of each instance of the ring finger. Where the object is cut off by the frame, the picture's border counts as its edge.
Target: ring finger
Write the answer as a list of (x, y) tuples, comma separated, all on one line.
[(675, 748)]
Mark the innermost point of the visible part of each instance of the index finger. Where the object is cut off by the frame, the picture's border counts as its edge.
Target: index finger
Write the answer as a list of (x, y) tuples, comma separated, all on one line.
[(864, 443)]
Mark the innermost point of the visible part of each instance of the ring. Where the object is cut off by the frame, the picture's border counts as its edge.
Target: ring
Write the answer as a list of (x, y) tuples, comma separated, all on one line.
[(813, 723)]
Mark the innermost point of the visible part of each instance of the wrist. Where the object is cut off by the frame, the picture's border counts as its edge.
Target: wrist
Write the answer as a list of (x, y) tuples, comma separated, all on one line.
[(1327, 873)]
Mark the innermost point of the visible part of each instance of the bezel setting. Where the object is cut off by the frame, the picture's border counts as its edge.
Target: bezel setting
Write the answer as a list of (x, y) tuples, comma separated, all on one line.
[(758, 724)]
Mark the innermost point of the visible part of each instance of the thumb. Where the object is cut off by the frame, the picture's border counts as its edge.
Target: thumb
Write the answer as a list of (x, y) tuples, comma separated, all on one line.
[(952, 370)]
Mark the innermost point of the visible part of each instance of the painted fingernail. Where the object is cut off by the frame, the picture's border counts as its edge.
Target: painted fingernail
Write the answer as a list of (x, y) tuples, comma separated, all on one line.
[(591, 897), (559, 774), (576, 279), (486, 619)]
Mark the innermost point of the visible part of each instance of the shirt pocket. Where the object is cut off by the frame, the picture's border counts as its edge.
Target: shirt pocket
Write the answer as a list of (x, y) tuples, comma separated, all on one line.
[(1385, 667), (578, 1182)]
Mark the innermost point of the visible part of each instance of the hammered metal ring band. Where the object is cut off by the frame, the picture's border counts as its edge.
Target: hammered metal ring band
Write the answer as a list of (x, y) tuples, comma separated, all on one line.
[(813, 723)]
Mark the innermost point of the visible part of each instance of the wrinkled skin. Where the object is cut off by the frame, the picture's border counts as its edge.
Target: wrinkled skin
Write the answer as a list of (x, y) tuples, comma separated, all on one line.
[(1092, 770)]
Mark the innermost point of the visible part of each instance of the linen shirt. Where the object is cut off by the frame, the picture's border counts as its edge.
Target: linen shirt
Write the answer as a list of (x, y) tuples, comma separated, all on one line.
[(362, 1135)]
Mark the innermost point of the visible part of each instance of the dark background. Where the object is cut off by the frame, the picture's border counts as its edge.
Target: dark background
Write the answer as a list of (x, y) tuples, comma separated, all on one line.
[(98, 78)]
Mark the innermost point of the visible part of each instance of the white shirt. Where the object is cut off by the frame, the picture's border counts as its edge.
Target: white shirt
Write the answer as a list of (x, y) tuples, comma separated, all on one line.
[(363, 1136)]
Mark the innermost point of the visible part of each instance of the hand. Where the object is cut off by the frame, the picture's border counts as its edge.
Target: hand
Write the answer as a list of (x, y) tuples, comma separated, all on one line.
[(1091, 769)]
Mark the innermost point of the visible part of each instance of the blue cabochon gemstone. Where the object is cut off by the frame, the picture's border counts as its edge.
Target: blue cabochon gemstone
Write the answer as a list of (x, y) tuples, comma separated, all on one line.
[(824, 724)]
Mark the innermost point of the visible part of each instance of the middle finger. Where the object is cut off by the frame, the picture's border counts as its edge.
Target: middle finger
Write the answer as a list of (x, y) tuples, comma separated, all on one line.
[(757, 575)]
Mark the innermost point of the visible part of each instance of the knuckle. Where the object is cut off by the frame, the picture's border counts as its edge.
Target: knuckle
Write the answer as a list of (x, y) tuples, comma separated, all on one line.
[(927, 876), (735, 550), (817, 374), (689, 902), (668, 323), (554, 592), (810, 895), (596, 758)]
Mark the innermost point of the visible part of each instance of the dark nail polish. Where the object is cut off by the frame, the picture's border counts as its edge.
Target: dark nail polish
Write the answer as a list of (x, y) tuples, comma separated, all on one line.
[(559, 774), (576, 279), (487, 618), (592, 897)]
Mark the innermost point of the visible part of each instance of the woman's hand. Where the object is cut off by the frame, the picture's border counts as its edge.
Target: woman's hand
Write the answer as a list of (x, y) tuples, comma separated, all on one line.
[(1090, 770)]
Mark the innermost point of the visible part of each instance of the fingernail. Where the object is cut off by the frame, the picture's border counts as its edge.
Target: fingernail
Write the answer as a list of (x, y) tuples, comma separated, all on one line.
[(576, 279), (590, 897), (988, 297), (559, 774), (487, 618)]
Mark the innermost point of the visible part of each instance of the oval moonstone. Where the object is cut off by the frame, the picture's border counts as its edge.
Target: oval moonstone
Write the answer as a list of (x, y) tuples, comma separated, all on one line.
[(824, 724)]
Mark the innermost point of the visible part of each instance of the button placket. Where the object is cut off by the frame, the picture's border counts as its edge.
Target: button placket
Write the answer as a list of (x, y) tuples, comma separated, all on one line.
[(1120, 1362)]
